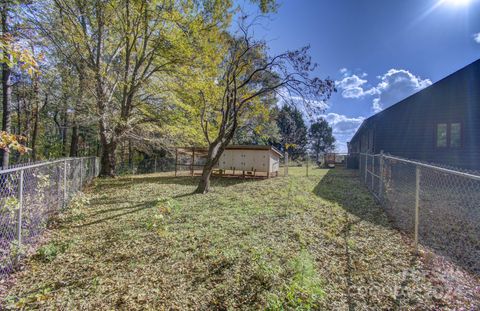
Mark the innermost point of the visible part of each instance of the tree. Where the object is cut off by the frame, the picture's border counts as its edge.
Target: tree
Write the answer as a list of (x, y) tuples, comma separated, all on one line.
[(261, 129), (293, 131), (6, 77), (247, 78), (12, 55), (257, 131), (125, 46), (12, 142), (321, 137)]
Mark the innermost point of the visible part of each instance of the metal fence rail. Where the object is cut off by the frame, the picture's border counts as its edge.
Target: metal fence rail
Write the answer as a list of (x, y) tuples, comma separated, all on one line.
[(438, 207), (29, 195)]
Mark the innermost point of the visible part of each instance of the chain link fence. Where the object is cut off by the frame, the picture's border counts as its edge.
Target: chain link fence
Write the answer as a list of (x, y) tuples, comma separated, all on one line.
[(29, 195), (146, 166), (438, 207)]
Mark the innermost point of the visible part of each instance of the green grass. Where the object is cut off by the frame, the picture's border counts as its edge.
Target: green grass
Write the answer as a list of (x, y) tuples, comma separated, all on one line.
[(287, 243)]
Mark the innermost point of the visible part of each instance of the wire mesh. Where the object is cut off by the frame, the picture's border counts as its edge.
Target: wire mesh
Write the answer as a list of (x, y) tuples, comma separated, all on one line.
[(153, 165), (399, 195), (449, 215), (29, 196), (9, 185), (446, 201)]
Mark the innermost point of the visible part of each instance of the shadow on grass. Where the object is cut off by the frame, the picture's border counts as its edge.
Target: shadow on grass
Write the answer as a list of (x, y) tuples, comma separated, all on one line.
[(131, 209), (122, 182), (343, 187)]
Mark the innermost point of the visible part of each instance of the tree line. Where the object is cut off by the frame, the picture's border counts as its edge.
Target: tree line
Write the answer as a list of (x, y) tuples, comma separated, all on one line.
[(112, 77)]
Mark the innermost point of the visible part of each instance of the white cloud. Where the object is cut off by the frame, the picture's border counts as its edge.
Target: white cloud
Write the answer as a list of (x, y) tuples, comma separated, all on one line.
[(476, 37), (393, 86), (342, 124), (343, 128), (354, 86), (344, 71), (396, 85)]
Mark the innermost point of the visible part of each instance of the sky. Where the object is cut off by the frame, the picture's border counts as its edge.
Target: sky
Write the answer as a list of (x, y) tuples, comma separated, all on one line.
[(378, 51)]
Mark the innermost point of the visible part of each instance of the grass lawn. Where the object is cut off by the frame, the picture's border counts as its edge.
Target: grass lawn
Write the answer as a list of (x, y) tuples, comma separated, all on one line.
[(287, 243)]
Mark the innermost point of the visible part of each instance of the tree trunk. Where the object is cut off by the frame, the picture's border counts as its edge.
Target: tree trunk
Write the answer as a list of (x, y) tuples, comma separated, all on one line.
[(215, 151), (64, 132), (36, 112), (78, 104), (108, 160), (109, 146), (204, 184), (74, 141), (6, 86), (35, 135), (130, 155)]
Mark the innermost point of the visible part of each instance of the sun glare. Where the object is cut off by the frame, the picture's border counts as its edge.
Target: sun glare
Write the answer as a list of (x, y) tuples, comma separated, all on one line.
[(457, 2)]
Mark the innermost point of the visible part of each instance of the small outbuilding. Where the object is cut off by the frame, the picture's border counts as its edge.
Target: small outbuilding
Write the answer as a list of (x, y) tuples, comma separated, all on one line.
[(236, 160)]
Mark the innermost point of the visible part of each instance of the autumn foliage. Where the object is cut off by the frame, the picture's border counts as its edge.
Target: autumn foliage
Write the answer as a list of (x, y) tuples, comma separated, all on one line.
[(9, 142)]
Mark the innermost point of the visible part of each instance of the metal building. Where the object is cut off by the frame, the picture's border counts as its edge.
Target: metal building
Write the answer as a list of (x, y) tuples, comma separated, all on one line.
[(440, 124)]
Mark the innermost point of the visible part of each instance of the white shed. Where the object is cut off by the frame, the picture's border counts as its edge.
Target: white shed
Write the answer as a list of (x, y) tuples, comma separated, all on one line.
[(236, 160), (251, 160)]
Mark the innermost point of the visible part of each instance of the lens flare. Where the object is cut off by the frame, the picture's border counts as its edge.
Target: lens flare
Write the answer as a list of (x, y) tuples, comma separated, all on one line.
[(457, 2)]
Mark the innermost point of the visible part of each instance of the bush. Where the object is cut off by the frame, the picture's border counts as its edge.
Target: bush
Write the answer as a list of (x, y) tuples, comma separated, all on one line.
[(50, 251)]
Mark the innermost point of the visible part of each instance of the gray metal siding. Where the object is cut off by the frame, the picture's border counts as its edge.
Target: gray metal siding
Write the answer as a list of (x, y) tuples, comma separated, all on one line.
[(408, 129)]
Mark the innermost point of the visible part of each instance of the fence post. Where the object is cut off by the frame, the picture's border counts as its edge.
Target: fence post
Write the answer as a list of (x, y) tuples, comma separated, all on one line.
[(64, 183), (176, 161), (155, 164), (373, 172), (366, 166), (417, 203), (19, 215), (192, 166), (59, 186), (286, 163), (97, 166), (380, 173), (307, 165), (94, 173), (81, 174)]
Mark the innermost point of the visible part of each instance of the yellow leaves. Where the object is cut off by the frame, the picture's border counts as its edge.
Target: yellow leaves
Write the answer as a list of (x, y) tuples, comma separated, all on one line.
[(290, 146), (13, 54), (12, 142)]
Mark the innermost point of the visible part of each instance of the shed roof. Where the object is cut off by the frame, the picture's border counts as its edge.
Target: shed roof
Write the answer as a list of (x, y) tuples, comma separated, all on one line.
[(231, 147)]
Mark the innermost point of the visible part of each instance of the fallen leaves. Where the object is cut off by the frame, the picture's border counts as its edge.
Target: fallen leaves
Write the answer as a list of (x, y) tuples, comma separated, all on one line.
[(146, 242)]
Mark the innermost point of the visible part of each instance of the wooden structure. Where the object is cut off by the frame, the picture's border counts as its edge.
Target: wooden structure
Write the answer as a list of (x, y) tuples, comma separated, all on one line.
[(236, 160), (331, 160)]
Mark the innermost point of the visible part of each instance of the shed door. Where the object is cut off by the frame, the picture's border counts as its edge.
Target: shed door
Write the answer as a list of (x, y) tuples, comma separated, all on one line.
[(226, 160), (252, 159), (262, 163), (240, 158)]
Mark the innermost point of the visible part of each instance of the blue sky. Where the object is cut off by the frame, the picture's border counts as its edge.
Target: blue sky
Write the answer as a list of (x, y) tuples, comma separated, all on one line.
[(378, 51)]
